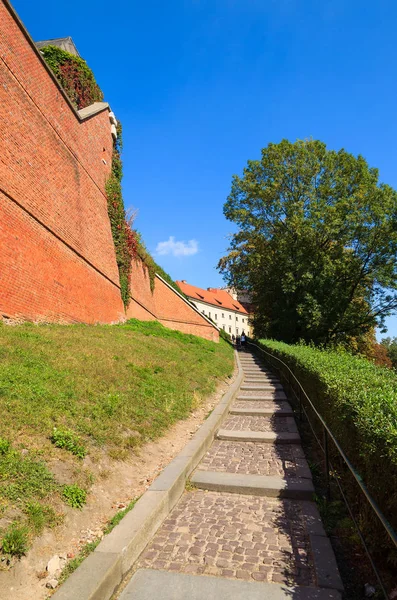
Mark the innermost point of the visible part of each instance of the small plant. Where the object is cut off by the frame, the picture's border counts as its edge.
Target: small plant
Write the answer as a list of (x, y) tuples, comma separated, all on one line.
[(15, 541), (119, 516), (74, 496), (189, 486), (40, 515), (66, 439), (4, 446)]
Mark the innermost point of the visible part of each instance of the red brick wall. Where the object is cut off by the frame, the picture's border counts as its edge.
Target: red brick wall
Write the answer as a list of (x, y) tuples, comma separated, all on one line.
[(57, 259), (165, 306)]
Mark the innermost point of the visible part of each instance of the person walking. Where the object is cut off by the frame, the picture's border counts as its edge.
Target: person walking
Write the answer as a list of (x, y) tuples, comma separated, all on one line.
[(243, 340)]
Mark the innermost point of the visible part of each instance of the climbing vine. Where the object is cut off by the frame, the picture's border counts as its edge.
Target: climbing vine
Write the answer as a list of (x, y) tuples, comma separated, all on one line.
[(79, 83), (74, 75), (124, 237)]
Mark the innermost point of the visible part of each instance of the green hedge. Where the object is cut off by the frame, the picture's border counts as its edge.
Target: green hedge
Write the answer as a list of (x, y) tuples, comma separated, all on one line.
[(358, 401)]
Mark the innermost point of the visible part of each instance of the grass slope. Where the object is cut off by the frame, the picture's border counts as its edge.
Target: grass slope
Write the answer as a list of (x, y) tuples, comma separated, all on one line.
[(69, 391)]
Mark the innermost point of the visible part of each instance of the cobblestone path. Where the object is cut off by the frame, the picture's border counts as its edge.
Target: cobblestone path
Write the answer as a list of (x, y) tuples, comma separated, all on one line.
[(253, 518)]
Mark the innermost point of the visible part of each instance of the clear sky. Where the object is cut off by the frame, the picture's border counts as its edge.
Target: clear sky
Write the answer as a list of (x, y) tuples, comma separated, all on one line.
[(201, 86)]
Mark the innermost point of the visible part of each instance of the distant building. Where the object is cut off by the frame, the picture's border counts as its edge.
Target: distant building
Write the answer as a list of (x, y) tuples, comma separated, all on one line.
[(66, 43), (220, 306), (244, 297)]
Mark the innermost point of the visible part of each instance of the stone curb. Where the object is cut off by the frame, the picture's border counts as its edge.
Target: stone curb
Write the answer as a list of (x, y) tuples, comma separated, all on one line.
[(99, 575)]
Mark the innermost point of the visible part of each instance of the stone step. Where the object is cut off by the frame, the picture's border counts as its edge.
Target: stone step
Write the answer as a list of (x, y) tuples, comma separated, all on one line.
[(253, 387), (265, 437), (261, 374), (147, 584), (263, 381), (254, 485), (256, 370), (264, 396), (275, 411)]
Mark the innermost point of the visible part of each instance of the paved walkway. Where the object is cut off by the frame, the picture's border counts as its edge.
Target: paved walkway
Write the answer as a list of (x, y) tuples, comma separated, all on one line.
[(249, 527)]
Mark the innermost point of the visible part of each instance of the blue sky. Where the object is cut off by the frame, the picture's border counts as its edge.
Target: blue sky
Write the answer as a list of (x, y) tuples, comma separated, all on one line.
[(201, 86)]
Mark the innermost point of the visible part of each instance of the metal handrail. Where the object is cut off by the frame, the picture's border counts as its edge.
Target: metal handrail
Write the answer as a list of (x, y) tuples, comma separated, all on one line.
[(329, 435)]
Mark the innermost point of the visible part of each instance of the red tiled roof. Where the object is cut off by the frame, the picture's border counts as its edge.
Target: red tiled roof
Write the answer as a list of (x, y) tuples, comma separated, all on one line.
[(214, 296)]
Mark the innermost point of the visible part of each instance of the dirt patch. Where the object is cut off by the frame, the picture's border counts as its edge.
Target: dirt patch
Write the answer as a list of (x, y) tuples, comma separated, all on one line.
[(116, 484)]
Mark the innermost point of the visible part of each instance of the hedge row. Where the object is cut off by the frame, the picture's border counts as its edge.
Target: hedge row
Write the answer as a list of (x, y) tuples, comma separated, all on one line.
[(358, 401)]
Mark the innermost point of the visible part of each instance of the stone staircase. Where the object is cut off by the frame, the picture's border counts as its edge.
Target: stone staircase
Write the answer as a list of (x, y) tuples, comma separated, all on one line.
[(249, 527)]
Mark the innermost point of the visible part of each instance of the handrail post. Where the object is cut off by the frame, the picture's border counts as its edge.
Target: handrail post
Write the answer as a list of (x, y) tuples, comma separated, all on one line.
[(326, 453), (300, 404)]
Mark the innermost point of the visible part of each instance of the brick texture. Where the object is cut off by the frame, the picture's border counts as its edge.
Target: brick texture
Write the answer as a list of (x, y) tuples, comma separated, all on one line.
[(165, 306), (57, 258)]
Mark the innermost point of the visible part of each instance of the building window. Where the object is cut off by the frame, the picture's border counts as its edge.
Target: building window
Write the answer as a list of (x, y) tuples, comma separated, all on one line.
[(203, 312), (209, 314), (242, 320), (236, 318), (224, 327), (223, 315), (216, 316), (230, 330), (237, 330), (230, 316)]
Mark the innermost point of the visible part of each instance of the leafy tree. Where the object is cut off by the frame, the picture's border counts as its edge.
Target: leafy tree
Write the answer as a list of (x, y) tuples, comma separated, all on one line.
[(390, 344), (316, 244)]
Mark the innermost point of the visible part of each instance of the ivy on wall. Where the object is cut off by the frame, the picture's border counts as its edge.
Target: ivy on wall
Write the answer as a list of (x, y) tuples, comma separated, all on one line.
[(124, 237), (79, 83), (74, 75)]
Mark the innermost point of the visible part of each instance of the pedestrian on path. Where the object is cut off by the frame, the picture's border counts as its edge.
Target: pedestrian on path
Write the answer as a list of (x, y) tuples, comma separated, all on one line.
[(243, 340)]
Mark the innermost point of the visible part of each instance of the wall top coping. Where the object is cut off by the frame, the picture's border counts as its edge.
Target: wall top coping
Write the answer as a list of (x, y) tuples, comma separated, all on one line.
[(92, 109), (79, 114), (187, 302)]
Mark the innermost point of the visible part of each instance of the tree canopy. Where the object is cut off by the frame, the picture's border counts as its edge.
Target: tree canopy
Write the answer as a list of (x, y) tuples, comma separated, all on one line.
[(390, 344), (316, 243)]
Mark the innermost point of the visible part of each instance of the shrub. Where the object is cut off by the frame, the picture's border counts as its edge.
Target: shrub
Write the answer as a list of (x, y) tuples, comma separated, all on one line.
[(15, 541), (226, 336), (74, 496), (358, 401), (66, 439)]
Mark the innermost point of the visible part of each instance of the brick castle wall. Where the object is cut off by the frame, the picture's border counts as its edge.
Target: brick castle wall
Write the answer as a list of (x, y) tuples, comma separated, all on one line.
[(57, 258), (165, 306)]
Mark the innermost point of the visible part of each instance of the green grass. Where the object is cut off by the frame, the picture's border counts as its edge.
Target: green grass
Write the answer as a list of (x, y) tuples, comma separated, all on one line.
[(67, 391)]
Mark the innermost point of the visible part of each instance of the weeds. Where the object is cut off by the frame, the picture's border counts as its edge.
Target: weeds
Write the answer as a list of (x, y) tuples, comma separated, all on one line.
[(75, 496), (119, 516), (15, 541), (40, 516), (66, 439)]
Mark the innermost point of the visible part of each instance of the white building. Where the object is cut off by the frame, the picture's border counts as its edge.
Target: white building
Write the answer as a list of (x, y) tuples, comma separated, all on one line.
[(225, 311)]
